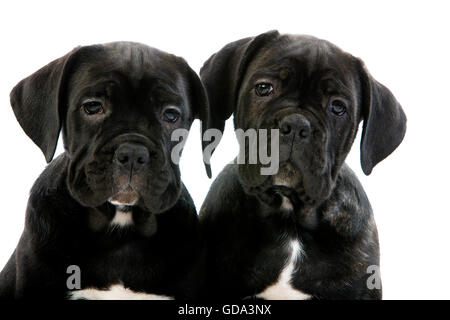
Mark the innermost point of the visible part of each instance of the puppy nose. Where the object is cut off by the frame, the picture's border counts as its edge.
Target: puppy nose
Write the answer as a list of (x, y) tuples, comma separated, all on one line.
[(294, 124), (131, 156)]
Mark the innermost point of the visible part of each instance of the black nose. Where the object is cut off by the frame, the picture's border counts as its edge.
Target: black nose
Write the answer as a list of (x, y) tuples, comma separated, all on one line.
[(294, 124), (131, 156)]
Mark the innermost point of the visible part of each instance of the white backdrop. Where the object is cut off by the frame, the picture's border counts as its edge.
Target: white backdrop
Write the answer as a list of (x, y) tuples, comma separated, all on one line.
[(405, 45)]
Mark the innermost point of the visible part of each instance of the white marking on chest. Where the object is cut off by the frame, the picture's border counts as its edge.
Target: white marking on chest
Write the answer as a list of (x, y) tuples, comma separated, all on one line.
[(283, 289), (114, 292), (122, 218), (286, 204)]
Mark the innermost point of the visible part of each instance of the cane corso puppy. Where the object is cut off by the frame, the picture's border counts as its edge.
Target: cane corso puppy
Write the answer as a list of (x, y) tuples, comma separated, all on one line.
[(307, 231), (110, 217)]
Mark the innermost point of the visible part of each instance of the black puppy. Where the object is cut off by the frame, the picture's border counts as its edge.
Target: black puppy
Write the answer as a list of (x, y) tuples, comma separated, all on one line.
[(110, 217), (307, 231)]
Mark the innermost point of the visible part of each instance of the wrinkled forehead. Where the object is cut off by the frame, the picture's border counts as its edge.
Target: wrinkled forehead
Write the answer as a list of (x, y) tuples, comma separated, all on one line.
[(129, 64), (307, 57)]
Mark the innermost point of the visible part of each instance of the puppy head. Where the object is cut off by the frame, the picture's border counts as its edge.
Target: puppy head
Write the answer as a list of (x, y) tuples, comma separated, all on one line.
[(117, 105), (315, 94)]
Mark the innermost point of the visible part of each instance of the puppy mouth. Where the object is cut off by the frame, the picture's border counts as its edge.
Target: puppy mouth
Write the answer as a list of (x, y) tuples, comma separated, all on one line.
[(126, 197), (289, 184)]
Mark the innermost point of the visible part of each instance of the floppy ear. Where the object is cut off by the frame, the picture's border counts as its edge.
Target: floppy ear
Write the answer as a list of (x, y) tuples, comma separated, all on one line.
[(199, 104), (222, 75), (384, 122), (36, 102)]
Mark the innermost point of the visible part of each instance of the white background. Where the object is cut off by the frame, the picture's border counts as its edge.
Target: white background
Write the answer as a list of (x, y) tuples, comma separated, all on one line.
[(405, 45)]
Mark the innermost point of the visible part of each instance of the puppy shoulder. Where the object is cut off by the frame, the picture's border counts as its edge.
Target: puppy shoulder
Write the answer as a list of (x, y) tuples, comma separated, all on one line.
[(49, 203), (349, 186), (225, 194), (348, 209), (182, 216), (185, 202), (51, 179)]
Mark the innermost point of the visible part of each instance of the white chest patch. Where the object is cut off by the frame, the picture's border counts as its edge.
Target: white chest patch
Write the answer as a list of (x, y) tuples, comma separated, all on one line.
[(286, 204), (122, 218), (283, 289), (114, 292)]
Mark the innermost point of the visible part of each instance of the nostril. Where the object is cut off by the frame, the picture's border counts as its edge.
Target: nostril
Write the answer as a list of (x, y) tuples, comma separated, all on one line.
[(123, 158), (142, 156), (142, 160), (285, 129), (305, 132)]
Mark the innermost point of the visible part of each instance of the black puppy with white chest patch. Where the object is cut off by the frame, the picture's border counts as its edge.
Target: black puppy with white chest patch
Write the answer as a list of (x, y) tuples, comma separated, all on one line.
[(112, 206), (307, 231)]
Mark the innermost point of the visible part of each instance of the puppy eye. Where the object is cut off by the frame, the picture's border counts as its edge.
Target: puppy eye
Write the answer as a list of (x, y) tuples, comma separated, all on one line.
[(337, 107), (171, 115), (93, 107), (263, 89)]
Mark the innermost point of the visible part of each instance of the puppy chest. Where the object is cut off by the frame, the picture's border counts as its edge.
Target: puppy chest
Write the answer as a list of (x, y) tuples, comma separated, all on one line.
[(122, 218), (113, 292), (282, 288), (115, 275)]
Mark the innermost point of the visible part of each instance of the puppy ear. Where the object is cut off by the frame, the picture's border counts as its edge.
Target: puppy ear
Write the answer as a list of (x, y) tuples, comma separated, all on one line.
[(200, 106), (222, 74), (36, 102), (384, 121)]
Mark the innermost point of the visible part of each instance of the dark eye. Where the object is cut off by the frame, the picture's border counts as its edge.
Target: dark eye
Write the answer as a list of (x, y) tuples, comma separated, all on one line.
[(263, 89), (337, 107), (171, 115), (93, 107)]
